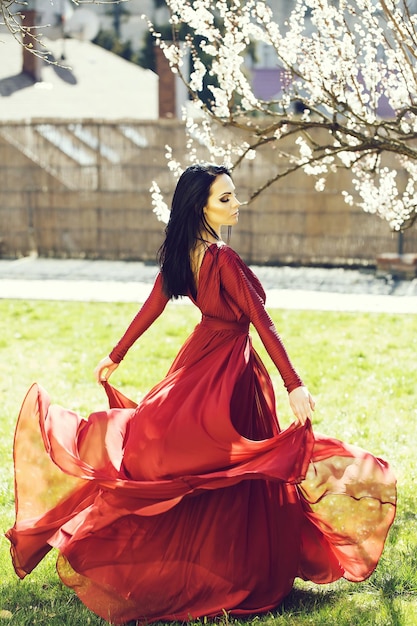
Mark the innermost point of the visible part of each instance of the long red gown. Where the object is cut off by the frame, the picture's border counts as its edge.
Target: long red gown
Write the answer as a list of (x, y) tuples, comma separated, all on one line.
[(195, 501)]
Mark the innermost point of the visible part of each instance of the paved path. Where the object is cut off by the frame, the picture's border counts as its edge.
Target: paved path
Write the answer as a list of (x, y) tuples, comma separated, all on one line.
[(336, 289)]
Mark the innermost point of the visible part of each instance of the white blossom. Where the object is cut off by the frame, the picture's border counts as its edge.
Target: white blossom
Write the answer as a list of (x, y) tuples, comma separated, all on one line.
[(320, 184), (160, 207), (197, 76), (250, 155)]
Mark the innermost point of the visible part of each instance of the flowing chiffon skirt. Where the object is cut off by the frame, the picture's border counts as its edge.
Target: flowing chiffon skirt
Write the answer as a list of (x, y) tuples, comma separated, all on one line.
[(195, 501)]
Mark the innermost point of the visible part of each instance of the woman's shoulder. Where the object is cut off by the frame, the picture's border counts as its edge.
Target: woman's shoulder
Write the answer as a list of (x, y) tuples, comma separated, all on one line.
[(230, 261), (226, 254)]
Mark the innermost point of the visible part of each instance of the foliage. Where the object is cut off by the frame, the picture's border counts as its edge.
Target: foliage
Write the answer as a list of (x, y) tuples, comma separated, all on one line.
[(340, 64), (360, 367), (108, 39)]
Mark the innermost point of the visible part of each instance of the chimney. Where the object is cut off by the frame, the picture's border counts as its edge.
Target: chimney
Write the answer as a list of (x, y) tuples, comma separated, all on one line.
[(31, 62), (167, 85)]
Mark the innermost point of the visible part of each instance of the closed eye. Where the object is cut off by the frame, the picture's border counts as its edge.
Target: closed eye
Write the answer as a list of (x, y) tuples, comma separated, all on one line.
[(226, 197)]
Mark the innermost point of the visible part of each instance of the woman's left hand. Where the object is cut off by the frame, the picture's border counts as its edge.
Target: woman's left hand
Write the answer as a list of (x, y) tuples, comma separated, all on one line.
[(302, 404)]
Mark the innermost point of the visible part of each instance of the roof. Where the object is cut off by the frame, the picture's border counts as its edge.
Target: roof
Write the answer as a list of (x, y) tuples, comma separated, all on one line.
[(89, 83)]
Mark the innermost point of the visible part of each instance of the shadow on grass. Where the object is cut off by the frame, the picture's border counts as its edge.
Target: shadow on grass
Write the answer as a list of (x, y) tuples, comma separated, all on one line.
[(340, 607), (308, 600)]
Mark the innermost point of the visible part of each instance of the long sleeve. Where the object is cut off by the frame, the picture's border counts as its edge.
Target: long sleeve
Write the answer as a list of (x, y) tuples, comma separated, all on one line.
[(246, 291), (147, 314)]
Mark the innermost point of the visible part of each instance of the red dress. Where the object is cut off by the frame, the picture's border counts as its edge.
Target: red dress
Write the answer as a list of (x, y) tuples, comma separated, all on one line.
[(195, 501)]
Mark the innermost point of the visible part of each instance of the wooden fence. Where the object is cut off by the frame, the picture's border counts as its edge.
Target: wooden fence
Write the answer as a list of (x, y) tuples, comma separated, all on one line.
[(81, 189)]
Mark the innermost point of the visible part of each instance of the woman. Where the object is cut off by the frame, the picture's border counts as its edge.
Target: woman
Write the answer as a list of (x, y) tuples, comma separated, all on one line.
[(194, 501)]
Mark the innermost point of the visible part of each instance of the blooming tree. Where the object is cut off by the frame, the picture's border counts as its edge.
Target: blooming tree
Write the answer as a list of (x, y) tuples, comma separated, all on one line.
[(347, 98)]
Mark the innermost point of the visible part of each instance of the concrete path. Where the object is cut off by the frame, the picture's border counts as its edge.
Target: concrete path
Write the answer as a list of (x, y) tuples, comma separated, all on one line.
[(336, 289)]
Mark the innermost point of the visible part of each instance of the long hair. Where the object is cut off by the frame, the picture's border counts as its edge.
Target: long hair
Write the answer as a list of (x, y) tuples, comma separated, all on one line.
[(186, 224)]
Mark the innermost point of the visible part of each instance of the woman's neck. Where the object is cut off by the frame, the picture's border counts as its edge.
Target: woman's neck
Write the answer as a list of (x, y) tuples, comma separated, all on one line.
[(208, 237)]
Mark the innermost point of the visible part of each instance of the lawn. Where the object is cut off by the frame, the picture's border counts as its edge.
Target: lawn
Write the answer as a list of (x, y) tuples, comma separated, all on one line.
[(362, 369)]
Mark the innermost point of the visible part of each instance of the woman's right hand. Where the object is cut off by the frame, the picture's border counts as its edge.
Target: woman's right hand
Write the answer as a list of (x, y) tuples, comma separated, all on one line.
[(105, 369), (302, 404)]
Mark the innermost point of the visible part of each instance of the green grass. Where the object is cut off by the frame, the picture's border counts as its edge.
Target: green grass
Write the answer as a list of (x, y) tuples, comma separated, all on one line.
[(362, 369)]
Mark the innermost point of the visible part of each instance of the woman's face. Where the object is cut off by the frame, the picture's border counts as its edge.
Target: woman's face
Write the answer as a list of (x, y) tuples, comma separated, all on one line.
[(222, 208)]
